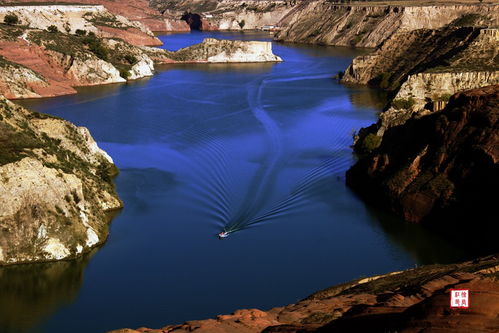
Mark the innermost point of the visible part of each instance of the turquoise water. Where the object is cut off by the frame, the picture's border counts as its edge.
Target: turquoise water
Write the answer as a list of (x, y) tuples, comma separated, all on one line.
[(260, 149)]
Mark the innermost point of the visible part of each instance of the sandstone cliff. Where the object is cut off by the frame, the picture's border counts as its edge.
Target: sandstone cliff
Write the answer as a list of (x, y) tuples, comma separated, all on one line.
[(38, 63), (226, 14), (91, 18), (55, 188), (441, 169), (429, 66), (324, 22), (410, 301)]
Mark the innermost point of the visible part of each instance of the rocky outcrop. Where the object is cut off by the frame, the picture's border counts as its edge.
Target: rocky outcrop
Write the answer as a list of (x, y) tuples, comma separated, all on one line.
[(18, 80), (439, 169), (91, 18), (452, 49), (430, 65), (213, 50), (55, 188), (324, 22), (51, 64), (408, 301), (429, 92)]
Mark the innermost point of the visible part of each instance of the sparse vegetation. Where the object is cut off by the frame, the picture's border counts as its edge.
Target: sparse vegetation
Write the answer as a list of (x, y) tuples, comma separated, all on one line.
[(442, 98), (400, 103), (11, 19), (369, 143), (80, 32), (52, 29)]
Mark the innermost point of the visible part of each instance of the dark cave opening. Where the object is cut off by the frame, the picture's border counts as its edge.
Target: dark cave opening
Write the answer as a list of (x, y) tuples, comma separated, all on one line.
[(194, 20)]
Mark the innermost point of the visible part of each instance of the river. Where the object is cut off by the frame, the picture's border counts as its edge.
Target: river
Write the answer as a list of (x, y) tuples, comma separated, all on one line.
[(257, 149)]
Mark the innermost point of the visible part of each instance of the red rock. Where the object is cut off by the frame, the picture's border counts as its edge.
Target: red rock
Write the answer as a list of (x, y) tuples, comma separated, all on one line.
[(440, 169), (370, 307)]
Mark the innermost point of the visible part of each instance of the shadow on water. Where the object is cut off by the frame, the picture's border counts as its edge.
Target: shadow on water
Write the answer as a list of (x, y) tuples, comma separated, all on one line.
[(32, 292)]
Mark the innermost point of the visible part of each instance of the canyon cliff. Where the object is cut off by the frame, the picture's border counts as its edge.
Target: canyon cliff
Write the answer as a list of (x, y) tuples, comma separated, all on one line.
[(441, 169), (361, 25), (410, 301), (55, 188), (227, 14), (133, 10), (91, 18), (425, 67)]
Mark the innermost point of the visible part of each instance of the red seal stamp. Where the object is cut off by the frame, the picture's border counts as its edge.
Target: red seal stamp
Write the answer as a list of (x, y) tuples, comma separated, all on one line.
[(459, 298)]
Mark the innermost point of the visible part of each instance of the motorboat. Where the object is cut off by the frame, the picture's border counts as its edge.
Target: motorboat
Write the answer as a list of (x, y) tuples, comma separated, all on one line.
[(223, 234)]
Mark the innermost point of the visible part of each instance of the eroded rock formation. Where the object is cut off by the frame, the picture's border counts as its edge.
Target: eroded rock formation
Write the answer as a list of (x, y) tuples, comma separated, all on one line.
[(91, 18), (441, 169), (55, 188), (213, 50), (428, 66), (408, 301), (324, 22), (226, 14)]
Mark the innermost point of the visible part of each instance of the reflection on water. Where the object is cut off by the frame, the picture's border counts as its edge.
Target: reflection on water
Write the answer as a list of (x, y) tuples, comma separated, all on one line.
[(31, 293)]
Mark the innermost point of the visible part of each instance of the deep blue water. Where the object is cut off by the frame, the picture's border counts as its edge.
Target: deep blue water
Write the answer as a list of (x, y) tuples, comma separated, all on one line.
[(203, 147)]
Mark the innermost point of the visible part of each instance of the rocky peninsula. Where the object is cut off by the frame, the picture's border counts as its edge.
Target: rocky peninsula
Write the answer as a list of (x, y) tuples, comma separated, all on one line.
[(55, 188)]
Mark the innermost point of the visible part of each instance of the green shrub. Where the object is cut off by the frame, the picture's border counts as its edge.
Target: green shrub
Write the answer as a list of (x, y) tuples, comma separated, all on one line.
[(95, 46), (443, 98), (370, 142), (242, 24), (52, 29), (11, 19), (403, 103), (124, 73), (80, 32), (131, 59)]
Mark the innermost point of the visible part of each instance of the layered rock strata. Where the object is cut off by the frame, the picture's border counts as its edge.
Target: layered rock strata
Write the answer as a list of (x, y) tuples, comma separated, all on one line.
[(38, 63), (55, 188), (91, 18), (226, 14), (425, 67), (408, 301), (327, 23)]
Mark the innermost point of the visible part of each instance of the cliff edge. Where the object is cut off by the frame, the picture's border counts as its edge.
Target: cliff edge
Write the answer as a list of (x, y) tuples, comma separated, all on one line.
[(55, 188), (441, 169)]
